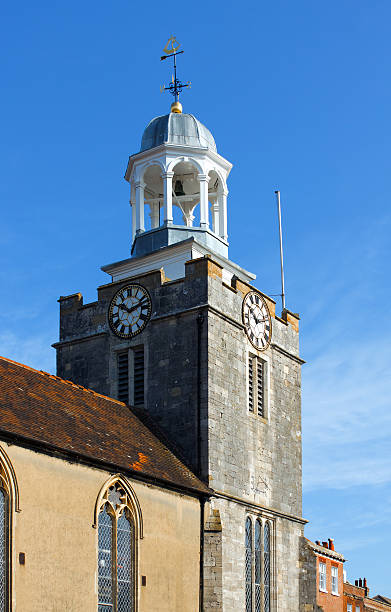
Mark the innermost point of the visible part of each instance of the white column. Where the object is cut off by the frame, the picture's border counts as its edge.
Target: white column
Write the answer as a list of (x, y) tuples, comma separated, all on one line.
[(167, 208), (133, 207), (154, 214), (215, 216), (223, 214), (204, 216), (140, 226)]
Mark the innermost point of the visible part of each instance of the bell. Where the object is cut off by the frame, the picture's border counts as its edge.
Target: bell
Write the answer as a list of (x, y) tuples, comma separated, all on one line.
[(178, 189)]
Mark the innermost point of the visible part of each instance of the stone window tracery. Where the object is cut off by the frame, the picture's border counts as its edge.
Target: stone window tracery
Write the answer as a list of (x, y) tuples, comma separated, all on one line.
[(249, 564), (9, 503), (258, 565), (118, 522)]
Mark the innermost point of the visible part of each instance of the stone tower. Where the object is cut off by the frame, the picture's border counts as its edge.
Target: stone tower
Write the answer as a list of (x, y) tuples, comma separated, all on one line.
[(181, 333)]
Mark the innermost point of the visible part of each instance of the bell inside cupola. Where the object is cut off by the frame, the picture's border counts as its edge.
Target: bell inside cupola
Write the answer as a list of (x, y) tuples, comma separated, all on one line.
[(178, 189)]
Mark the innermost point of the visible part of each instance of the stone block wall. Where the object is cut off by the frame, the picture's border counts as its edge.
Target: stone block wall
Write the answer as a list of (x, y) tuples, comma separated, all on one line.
[(196, 391), (308, 579)]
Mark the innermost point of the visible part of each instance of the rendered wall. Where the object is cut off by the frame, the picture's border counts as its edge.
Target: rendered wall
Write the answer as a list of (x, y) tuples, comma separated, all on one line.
[(54, 530), (193, 364)]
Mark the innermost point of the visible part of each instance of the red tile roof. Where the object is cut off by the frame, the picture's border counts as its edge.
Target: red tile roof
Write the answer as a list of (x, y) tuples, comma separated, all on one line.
[(49, 411), (326, 552)]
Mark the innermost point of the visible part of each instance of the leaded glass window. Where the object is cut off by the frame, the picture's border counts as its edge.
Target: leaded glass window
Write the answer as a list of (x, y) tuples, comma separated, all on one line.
[(124, 563), (3, 549), (9, 501), (105, 560), (266, 567), (116, 552), (258, 566), (249, 563)]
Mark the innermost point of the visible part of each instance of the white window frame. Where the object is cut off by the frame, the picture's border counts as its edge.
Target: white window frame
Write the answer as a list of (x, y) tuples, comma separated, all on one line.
[(349, 608), (358, 608), (334, 577), (322, 577)]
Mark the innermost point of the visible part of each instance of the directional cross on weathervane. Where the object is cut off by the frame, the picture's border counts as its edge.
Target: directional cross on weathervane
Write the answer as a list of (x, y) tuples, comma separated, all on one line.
[(176, 86)]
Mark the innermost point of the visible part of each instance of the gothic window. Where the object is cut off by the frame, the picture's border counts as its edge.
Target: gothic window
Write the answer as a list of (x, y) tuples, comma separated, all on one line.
[(258, 566), (3, 550), (249, 566), (9, 501), (256, 385), (105, 560), (266, 566), (117, 526)]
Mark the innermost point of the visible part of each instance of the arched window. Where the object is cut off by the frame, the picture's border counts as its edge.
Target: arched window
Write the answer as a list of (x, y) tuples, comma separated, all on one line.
[(266, 566), (118, 521), (258, 566), (249, 568), (9, 502), (4, 503), (105, 559)]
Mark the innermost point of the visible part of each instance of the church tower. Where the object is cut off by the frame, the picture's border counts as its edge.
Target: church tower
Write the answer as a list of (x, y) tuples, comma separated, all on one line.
[(180, 333)]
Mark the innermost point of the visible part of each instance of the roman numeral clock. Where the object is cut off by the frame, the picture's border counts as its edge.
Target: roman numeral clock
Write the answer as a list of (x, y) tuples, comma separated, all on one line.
[(257, 320), (130, 310)]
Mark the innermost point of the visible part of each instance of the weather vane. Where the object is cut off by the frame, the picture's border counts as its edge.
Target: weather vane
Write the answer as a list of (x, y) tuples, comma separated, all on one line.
[(176, 86)]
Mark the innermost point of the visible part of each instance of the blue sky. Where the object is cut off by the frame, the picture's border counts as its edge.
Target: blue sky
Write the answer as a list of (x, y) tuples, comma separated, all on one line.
[(297, 95)]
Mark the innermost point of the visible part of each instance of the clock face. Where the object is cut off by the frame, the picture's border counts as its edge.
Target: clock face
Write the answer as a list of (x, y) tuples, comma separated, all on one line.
[(257, 321), (130, 310)]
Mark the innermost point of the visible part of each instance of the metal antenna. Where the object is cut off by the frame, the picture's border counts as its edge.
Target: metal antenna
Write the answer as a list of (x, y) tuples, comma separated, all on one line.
[(176, 86), (281, 250)]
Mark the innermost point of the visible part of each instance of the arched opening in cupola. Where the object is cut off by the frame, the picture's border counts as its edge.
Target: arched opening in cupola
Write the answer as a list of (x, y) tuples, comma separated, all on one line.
[(217, 196), (190, 189), (153, 197)]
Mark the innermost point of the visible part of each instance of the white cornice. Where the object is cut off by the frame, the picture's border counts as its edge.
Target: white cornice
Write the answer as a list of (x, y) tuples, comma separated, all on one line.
[(176, 150)]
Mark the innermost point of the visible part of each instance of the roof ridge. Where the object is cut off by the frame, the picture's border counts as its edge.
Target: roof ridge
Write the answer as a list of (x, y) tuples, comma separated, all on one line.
[(62, 380)]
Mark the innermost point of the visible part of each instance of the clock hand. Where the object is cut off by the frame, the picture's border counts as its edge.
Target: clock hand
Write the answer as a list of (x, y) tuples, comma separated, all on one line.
[(123, 307), (139, 305), (259, 320), (129, 310)]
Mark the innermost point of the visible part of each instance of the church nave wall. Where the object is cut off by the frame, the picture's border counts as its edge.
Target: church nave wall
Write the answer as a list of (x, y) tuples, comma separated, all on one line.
[(54, 529)]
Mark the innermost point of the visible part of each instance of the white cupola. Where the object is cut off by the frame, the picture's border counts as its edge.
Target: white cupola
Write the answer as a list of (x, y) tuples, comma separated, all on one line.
[(178, 186), (178, 198)]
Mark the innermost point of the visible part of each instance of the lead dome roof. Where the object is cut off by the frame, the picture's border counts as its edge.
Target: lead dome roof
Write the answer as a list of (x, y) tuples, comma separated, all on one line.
[(177, 129)]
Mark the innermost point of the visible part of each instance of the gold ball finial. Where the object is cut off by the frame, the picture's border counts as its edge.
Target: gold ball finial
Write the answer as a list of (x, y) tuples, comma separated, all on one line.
[(176, 107)]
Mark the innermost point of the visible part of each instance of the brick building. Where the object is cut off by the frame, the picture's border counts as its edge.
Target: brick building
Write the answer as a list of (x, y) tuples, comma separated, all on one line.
[(175, 419), (324, 568), (357, 599), (324, 584)]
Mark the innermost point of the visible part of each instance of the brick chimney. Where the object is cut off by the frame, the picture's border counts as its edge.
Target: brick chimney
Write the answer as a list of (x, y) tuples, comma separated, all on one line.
[(331, 544), (325, 544)]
